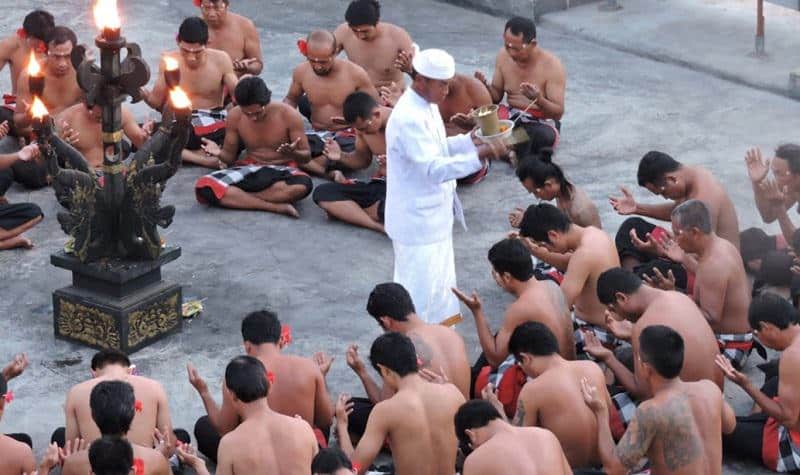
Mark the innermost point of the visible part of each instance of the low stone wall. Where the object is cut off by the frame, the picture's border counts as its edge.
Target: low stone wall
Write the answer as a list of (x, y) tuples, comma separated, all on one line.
[(525, 8)]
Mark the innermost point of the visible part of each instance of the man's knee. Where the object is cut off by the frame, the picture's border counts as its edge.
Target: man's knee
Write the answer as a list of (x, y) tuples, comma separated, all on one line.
[(299, 186), (30, 174)]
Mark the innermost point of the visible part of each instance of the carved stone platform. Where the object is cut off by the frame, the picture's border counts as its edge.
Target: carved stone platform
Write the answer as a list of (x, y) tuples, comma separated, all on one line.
[(116, 304)]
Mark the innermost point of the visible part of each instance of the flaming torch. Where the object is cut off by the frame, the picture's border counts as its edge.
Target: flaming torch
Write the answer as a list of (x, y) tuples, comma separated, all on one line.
[(181, 105), (35, 76), (41, 119), (107, 19)]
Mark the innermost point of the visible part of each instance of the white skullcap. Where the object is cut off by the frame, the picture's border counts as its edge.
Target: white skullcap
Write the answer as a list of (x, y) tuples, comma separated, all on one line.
[(435, 64)]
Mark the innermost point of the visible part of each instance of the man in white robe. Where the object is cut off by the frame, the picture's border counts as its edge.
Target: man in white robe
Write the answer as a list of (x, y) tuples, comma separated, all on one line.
[(423, 165)]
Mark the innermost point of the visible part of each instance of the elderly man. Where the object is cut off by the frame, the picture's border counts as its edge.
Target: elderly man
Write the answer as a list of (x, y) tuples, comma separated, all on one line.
[(422, 166)]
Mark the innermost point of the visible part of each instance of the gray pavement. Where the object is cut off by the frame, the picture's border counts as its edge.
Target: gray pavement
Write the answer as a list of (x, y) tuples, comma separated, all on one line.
[(317, 274)]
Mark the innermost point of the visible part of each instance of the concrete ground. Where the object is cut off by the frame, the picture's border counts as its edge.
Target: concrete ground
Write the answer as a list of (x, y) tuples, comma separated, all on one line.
[(317, 274)]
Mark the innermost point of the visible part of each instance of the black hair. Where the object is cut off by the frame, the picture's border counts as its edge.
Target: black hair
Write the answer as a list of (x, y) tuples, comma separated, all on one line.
[(539, 219), (357, 105), (693, 214), (534, 338), (252, 90), (59, 35), (662, 348), (111, 456), (113, 407), (193, 30), (654, 165), (755, 244), (771, 308), (510, 255), (329, 460), (3, 385), (246, 378), (392, 300), (363, 12), (394, 351), (616, 280), (539, 168), (38, 24), (261, 327), (103, 358), (473, 414), (522, 26), (791, 153)]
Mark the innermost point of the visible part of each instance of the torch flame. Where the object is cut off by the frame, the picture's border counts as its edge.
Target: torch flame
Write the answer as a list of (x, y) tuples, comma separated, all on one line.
[(106, 15), (33, 66), (38, 110), (179, 99), (170, 63)]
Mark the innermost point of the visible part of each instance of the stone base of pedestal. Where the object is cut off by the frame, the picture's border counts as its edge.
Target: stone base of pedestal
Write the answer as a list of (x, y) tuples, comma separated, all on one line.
[(116, 304)]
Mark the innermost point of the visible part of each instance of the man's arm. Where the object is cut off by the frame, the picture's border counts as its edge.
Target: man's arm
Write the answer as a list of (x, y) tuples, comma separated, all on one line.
[(252, 50), (323, 408), (363, 83), (225, 458), (136, 134), (551, 102), (295, 89), (421, 148), (728, 416), (72, 429), (297, 134), (163, 419), (575, 277), (709, 293), (372, 440), (497, 87), (633, 446), (527, 414), (358, 159), (787, 226), (229, 77), (22, 118), (156, 97), (786, 409), (230, 146)]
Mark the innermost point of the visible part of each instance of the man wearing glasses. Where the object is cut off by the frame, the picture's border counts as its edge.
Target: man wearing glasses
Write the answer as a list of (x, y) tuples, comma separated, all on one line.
[(233, 34), (205, 74), (533, 81)]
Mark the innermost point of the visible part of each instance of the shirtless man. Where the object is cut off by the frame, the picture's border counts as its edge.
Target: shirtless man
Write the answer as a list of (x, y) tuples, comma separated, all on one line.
[(680, 429), (501, 449), (297, 387), (353, 201), (110, 456), (721, 288), (233, 34), (593, 252), (776, 196), (268, 178), (205, 75), (152, 411), (626, 298), (16, 218), (264, 438), (552, 398), (374, 45), (81, 127), (512, 270), (418, 418), (326, 81), (663, 175), (533, 80), (771, 434), (113, 409)]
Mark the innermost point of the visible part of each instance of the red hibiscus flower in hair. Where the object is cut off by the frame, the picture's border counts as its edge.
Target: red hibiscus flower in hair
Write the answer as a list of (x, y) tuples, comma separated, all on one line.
[(196, 3), (286, 334), (302, 45), (22, 33), (138, 466), (271, 377), (137, 406), (9, 396)]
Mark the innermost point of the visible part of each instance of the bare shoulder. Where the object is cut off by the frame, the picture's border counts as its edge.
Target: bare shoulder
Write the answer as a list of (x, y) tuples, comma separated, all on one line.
[(300, 71), (219, 57), (235, 113), (481, 460), (244, 22), (13, 452), (342, 32), (397, 32)]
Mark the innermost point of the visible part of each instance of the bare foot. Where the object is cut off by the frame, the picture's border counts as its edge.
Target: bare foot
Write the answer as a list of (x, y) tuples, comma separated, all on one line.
[(17, 242), (288, 210), (338, 177)]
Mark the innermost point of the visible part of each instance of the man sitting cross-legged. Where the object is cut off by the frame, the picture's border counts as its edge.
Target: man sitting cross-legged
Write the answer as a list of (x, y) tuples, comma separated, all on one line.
[(680, 429), (297, 386), (113, 406), (16, 218), (418, 418), (267, 179), (354, 201), (497, 448)]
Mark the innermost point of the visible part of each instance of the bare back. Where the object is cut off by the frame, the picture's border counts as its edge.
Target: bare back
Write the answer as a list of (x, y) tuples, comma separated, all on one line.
[(710, 191), (721, 288), (441, 348), (294, 390), (376, 56), (595, 254), (17, 457), (519, 451), (542, 302), (580, 209)]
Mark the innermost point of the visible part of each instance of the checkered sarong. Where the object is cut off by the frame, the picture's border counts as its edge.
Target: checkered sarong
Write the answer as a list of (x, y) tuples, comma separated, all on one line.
[(780, 447), (496, 377), (626, 408), (735, 347), (606, 337), (207, 121)]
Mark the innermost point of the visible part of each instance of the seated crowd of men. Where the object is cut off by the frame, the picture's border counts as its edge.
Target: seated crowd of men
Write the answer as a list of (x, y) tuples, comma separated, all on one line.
[(612, 357)]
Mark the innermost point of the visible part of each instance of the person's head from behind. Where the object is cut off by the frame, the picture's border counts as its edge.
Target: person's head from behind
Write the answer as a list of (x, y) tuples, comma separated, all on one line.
[(394, 357), (616, 289), (390, 304), (361, 111), (547, 225), (785, 167), (110, 455), (519, 38), (470, 420), (260, 328), (60, 41), (691, 223), (192, 41), (113, 407), (769, 316), (660, 352), (37, 26), (531, 343), (331, 461), (105, 360), (432, 71), (658, 172), (321, 51), (754, 245), (214, 11), (543, 178), (362, 17), (246, 379), (252, 96), (511, 263)]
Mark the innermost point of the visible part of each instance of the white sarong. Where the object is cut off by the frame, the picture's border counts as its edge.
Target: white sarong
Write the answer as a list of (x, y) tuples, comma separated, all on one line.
[(428, 272)]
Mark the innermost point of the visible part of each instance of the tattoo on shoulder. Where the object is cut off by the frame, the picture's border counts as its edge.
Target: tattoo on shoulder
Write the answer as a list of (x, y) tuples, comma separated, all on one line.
[(519, 416), (424, 352)]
